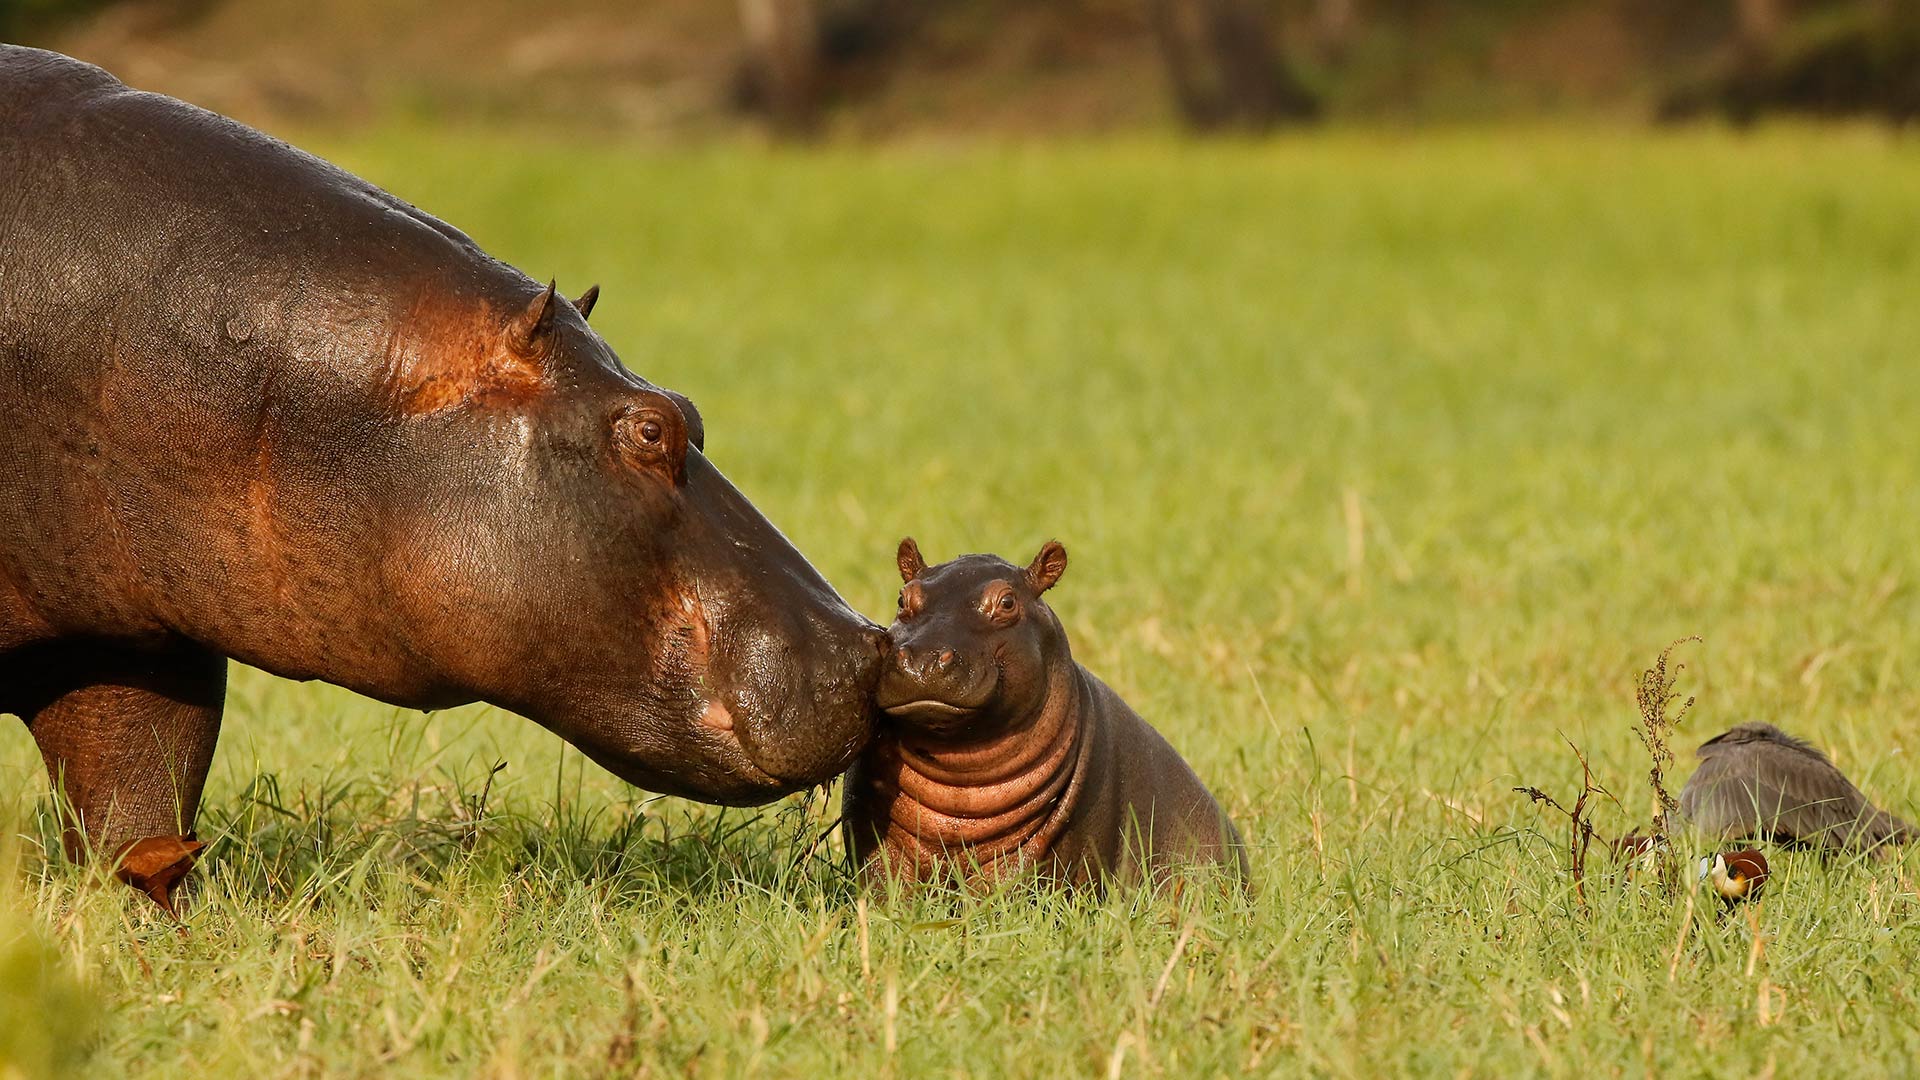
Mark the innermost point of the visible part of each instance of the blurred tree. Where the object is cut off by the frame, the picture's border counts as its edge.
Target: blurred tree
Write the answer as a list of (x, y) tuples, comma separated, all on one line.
[(1756, 39), (1334, 23), (1757, 25), (783, 62), (19, 16), (804, 56), (1225, 67), (1833, 58)]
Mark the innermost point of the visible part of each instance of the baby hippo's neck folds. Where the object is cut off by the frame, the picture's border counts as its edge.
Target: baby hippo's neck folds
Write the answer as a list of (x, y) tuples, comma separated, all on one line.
[(997, 801)]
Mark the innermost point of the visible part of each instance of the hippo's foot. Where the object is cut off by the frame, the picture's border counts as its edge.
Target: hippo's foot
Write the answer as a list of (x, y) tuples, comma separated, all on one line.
[(156, 865), (127, 735)]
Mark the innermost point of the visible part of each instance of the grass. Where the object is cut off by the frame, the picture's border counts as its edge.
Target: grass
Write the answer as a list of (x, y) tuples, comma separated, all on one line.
[(1384, 461)]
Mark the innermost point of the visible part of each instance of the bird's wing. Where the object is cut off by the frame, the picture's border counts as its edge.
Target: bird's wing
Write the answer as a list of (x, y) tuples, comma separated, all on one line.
[(1774, 790), (1879, 827)]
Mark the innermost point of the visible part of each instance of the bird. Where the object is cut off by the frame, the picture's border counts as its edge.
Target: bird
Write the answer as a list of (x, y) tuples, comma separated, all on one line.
[(1637, 854), (1758, 782), (1633, 846), (1736, 875)]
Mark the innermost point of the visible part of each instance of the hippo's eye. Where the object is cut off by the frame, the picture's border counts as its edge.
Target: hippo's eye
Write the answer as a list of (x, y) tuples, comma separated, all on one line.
[(1003, 608), (903, 599), (650, 436)]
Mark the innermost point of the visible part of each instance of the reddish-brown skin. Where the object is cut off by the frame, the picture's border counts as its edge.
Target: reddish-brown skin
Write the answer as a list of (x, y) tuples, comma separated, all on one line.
[(1002, 756), (252, 407)]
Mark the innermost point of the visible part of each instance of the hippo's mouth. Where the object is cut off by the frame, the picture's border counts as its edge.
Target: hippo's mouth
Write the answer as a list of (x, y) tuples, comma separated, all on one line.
[(729, 721), (942, 704), (927, 704), (776, 738), (715, 768), (924, 709), (710, 754), (938, 717), (754, 782)]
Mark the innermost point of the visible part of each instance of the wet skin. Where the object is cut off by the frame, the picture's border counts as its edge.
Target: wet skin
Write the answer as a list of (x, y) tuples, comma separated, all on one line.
[(1000, 755), (252, 407)]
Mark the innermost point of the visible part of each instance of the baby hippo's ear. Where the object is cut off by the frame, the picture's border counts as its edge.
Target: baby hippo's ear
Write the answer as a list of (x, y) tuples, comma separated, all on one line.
[(1047, 567), (909, 559)]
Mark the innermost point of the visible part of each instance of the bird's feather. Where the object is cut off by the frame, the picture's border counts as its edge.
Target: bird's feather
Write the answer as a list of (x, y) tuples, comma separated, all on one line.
[(1758, 781)]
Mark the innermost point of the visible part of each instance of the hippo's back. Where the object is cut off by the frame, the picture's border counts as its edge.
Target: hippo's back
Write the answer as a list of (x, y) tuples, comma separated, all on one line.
[(1143, 793), (196, 326), (103, 188), (36, 83)]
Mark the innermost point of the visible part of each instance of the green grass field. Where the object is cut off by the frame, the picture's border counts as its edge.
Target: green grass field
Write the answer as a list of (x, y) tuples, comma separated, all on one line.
[(1385, 461)]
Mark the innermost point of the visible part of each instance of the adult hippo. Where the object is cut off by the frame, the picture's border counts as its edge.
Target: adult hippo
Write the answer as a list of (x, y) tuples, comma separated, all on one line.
[(253, 407)]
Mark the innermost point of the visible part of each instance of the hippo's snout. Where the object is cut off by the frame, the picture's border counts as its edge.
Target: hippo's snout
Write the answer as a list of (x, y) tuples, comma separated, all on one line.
[(929, 664), (804, 719), (933, 686)]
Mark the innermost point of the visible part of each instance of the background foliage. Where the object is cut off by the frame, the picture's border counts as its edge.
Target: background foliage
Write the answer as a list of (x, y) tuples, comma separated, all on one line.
[(875, 69)]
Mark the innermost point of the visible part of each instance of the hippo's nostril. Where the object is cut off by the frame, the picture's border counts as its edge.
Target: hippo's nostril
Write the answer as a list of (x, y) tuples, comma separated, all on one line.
[(900, 654), (946, 658)]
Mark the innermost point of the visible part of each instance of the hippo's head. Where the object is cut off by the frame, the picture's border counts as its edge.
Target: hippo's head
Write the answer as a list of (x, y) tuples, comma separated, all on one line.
[(607, 581), (973, 645)]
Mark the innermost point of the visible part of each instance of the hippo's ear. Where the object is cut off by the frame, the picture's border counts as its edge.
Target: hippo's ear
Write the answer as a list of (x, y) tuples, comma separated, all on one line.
[(450, 354), (911, 564), (584, 305), (1045, 570), (531, 330)]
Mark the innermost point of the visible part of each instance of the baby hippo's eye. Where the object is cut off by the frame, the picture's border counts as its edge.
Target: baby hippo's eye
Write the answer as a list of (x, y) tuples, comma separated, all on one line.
[(1000, 606), (902, 600)]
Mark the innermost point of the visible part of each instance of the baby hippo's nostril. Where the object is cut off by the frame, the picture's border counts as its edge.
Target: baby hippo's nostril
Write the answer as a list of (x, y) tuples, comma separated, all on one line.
[(946, 658), (900, 654)]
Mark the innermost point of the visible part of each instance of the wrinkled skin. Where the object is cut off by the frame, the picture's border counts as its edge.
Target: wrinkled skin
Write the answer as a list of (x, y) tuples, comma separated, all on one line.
[(252, 407), (1000, 755)]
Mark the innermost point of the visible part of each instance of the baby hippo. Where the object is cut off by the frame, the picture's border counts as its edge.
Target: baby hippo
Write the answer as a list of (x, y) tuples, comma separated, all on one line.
[(1001, 755)]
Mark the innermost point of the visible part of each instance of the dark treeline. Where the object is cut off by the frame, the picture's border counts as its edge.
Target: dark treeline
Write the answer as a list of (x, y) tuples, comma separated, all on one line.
[(1257, 64), (801, 67)]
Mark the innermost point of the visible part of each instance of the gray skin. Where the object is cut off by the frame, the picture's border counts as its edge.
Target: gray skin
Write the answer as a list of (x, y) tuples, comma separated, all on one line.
[(1758, 782), (1000, 755), (252, 407)]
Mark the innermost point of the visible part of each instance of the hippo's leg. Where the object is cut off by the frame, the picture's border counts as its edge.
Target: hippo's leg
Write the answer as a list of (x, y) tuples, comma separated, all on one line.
[(127, 735)]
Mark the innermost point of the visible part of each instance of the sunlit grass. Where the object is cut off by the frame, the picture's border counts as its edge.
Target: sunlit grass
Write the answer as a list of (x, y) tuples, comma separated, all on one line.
[(1384, 463)]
